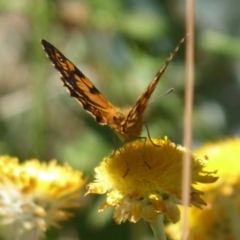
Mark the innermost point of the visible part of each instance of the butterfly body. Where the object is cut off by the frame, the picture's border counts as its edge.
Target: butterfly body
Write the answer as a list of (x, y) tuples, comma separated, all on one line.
[(126, 123), (125, 128)]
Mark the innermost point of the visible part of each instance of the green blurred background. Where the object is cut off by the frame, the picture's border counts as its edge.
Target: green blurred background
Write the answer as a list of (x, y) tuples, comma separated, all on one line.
[(119, 45)]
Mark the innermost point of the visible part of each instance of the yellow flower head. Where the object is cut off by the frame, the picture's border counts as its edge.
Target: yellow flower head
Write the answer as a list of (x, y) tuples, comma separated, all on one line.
[(220, 218), (142, 180), (35, 196)]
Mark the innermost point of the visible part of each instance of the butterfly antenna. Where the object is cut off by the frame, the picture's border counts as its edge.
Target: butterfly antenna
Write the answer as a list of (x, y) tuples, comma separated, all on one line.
[(166, 93)]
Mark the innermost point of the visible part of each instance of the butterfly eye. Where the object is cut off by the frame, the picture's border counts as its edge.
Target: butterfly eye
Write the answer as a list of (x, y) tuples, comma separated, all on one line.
[(118, 118)]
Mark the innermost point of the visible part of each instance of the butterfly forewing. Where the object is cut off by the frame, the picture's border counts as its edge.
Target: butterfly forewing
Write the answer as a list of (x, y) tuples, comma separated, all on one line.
[(79, 86), (137, 111)]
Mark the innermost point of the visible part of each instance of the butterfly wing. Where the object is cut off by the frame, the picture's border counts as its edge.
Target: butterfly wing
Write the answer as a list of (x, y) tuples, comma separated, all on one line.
[(79, 86), (134, 121)]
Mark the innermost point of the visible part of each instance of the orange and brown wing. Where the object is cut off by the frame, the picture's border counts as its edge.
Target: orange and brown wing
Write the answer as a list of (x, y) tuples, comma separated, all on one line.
[(135, 115), (79, 86)]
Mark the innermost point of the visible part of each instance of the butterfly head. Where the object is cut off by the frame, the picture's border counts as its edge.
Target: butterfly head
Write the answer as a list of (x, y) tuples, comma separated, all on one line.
[(117, 120), (124, 126)]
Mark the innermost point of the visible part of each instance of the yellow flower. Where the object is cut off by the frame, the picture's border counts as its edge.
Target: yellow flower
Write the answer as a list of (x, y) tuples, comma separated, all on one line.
[(142, 180), (220, 218), (35, 196)]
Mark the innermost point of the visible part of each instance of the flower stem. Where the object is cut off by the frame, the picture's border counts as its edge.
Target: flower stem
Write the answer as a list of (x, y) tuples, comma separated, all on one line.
[(158, 228)]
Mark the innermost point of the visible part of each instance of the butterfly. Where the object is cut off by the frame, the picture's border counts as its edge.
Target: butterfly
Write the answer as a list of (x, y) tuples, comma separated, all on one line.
[(126, 123)]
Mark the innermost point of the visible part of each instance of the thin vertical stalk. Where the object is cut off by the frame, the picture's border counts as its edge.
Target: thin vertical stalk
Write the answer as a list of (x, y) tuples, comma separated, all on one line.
[(188, 113)]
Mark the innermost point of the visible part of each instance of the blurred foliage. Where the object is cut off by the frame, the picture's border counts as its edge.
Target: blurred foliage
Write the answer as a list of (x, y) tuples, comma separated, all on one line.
[(119, 45)]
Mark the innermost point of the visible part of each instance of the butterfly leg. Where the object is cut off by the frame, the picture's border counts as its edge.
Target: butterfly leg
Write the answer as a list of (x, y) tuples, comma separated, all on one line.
[(124, 158), (143, 153), (150, 136), (126, 162), (145, 140), (114, 152), (115, 145), (118, 149)]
